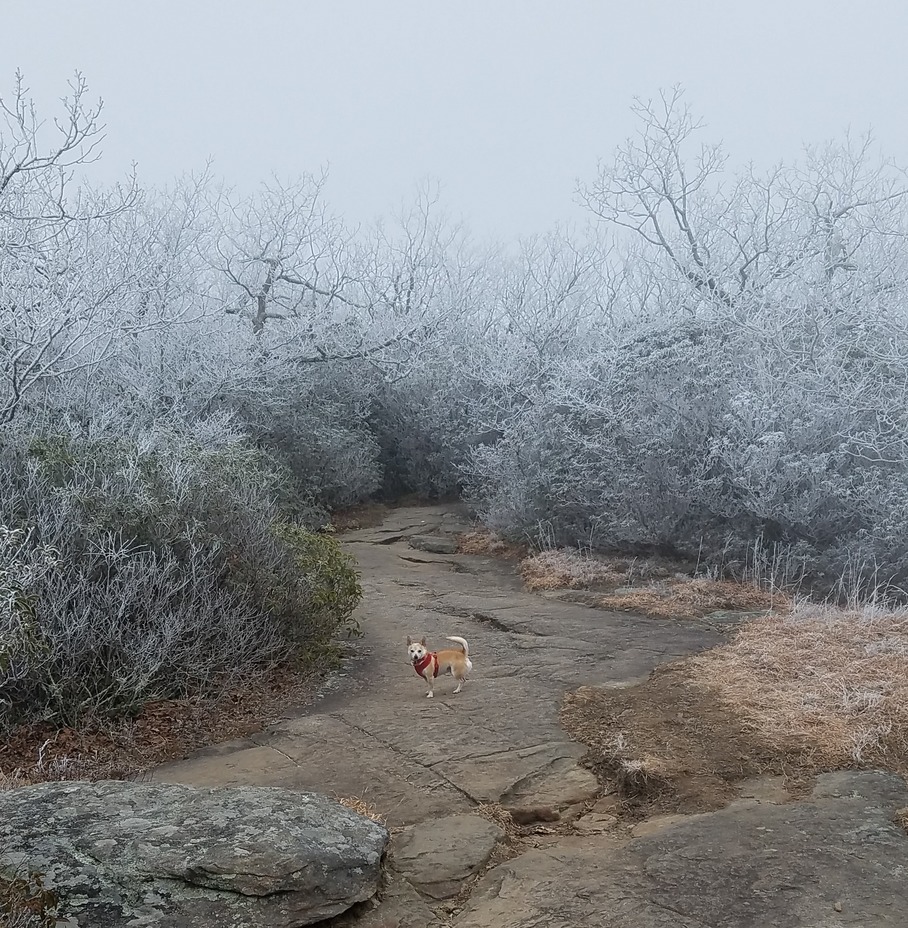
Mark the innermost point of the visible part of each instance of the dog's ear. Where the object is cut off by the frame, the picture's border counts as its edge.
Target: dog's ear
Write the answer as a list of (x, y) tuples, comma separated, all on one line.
[(409, 641), (423, 642)]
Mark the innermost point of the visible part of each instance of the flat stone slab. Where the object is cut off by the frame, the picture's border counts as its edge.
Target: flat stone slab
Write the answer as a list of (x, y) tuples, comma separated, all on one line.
[(434, 544), (437, 856), (500, 740), (543, 775), (595, 823), (765, 789), (323, 753), (400, 906), (125, 854), (837, 859)]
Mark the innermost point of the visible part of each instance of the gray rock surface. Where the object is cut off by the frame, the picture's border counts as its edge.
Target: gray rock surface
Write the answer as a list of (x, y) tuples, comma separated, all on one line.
[(498, 741), (835, 860), (119, 854), (400, 906), (434, 544), (438, 855)]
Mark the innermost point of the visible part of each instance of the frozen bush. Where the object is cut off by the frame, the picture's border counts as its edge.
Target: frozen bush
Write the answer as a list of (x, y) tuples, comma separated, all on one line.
[(153, 566)]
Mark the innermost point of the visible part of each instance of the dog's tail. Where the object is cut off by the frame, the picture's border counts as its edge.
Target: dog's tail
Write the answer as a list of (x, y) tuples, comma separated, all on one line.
[(462, 642)]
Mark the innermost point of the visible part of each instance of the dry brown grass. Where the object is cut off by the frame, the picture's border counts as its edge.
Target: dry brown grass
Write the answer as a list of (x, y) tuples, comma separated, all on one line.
[(686, 598), (161, 731), (363, 807), (634, 777), (499, 816), (24, 903), (901, 817), (485, 543), (646, 586), (834, 680), (75, 766), (13, 780), (567, 568)]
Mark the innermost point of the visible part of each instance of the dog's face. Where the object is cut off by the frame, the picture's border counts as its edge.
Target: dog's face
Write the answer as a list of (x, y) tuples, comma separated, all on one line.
[(416, 650)]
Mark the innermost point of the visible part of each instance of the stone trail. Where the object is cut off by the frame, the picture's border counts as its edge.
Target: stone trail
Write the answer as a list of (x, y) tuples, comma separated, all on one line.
[(834, 859)]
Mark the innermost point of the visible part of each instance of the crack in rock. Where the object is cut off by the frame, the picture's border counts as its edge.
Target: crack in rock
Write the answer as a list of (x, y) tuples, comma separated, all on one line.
[(411, 760)]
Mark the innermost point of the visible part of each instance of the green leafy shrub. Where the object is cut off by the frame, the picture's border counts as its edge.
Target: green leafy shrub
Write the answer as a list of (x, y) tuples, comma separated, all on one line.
[(334, 588)]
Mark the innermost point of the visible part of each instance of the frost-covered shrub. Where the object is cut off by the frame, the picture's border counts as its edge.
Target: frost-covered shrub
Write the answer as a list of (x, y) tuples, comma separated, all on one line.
[(730, 385), (423, 426), (148, 566), (748, 400), (322, 440), (704, 440)]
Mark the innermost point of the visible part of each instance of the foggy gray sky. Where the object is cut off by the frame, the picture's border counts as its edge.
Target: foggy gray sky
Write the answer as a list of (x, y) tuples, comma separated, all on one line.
[(505, 102)]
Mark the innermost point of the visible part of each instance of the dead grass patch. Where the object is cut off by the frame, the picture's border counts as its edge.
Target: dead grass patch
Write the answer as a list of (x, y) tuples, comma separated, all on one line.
[(646, 586), (363, 807), (13, 781), (24, 903), (901, 817), (690, 598), (499, 816), (161, 731), (790, 695), (635, 778), (485, 543), (832, 679), (566, 568)]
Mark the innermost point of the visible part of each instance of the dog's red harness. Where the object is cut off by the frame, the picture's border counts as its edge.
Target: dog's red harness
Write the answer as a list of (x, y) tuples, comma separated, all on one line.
[(422, 664)]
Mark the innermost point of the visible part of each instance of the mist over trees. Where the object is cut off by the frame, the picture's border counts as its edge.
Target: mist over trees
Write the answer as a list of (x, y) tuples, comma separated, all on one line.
[(717, 367)]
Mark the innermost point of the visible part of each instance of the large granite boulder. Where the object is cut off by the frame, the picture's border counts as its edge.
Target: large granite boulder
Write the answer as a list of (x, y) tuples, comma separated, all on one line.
[(118, 854)]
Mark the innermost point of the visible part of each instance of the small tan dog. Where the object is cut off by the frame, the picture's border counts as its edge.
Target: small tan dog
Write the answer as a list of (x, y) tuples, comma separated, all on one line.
[(429, 664)]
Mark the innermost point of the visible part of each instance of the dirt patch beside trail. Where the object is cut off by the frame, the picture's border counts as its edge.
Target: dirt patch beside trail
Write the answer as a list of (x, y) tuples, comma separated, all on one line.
[(667, 746), (121, 749)]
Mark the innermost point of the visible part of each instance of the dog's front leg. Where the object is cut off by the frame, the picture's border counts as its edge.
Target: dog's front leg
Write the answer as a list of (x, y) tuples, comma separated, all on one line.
[(430, 694)]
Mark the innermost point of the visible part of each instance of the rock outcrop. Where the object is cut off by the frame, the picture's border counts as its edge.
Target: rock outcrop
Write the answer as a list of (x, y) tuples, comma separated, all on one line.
[(117, 854), (434, 544), (835, 859)]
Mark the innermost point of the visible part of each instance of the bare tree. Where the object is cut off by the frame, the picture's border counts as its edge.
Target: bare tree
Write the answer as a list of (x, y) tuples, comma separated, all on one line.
[(22, 157), (281, 251), (59, 293), (734, 240)]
